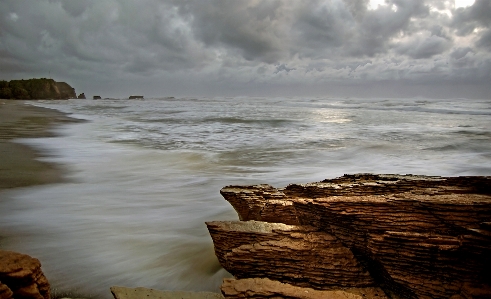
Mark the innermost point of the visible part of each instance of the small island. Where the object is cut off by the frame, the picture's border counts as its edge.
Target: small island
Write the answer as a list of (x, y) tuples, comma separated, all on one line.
[(36, 89)]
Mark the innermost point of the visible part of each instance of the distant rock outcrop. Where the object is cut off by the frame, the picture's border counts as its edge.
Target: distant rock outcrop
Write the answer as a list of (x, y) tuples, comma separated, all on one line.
[(81, 96), (135, 97), (36, 89), (410, 236), (96, 97), (21, 277)]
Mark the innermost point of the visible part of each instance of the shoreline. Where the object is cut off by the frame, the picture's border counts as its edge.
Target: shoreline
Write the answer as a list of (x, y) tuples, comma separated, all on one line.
[(19, 163)]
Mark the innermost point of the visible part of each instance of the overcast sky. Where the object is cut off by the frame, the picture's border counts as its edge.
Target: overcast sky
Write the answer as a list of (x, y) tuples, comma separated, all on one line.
[(114, 48)]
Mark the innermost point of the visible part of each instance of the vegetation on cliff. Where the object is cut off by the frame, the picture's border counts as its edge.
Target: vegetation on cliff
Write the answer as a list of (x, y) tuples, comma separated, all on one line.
[(36, 89)]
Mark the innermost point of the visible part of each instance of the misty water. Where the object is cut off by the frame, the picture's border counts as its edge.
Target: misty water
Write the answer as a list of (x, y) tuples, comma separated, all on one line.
[(144, 175)]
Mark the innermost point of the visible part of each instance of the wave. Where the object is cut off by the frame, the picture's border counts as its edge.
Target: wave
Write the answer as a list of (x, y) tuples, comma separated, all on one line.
[(242, 120)]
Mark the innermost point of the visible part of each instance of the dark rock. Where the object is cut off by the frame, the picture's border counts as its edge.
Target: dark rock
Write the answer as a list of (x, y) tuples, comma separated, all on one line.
[(96, 97), (36, 89), (81, 96), (66, 91), (135, 97)]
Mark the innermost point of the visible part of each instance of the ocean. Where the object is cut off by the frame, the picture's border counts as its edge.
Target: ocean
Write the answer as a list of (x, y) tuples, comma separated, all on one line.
[(144, 175)]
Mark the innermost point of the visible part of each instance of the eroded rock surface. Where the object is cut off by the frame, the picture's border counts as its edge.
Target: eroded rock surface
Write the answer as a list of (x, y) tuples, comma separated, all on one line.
[(299, 255), (145, 293), (22, 275), (266, 288), (414, 236)]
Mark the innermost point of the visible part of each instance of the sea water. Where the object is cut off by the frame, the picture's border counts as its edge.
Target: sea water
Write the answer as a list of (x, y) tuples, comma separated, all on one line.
[(143, 176)]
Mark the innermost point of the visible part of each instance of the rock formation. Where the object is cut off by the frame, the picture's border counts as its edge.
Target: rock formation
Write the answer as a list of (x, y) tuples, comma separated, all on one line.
[(266, 288), (139, 293), (21, 277), (135, 97), (65, 90), (36, 89), (5, 291), (81, 96), (410, 236), (96, 97)]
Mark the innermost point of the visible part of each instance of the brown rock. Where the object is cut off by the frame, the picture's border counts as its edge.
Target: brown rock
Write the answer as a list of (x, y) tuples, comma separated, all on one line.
[(261, 203), (266, 288), (23, 276), (139, 293), (298, 255), (5, 292), (419, 237)]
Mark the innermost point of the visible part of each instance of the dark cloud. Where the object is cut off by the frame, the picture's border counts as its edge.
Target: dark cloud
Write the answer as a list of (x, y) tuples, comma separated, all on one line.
[(466, 20), (219, 44), (485, 40), (321, 28), (76, 8), (374, 33), (283, 68), (424, 45), (459, 53), (253, 29)]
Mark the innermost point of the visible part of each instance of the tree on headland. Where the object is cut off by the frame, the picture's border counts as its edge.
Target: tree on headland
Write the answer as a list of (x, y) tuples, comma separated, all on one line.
[(5, 91)]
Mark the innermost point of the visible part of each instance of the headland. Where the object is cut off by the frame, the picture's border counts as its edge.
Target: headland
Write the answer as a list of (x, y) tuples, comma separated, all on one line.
[(36, 89)]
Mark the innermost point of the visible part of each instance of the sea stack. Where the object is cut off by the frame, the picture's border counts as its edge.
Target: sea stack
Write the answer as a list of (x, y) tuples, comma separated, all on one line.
[(362, 236)]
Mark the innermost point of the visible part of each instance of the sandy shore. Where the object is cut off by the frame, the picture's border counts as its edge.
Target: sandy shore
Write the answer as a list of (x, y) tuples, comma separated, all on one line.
[(19, 166)]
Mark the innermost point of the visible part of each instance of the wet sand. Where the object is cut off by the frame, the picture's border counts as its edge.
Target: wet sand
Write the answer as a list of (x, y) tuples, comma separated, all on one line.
[(19, 166)]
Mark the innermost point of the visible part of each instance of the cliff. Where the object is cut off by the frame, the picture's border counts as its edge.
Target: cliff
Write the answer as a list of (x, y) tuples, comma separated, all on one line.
[(36, 89), (362, 236)]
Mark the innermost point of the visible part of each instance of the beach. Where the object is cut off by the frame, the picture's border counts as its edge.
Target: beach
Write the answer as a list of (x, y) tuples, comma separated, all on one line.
[(19, 164), (141, 178)]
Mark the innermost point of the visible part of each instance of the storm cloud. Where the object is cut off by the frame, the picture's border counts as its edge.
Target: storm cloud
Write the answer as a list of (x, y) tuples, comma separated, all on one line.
[(251, 47)]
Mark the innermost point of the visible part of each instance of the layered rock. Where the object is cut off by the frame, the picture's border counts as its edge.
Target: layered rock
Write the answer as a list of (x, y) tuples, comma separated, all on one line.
[(266, 288), (298, 255), (414, 236), (21, 277)]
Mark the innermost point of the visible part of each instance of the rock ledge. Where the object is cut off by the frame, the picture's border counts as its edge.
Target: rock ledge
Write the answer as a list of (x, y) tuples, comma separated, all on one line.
[(395, 236)]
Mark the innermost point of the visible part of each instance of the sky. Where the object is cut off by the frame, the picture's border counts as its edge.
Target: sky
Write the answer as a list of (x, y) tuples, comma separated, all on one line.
[(311, 48)]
